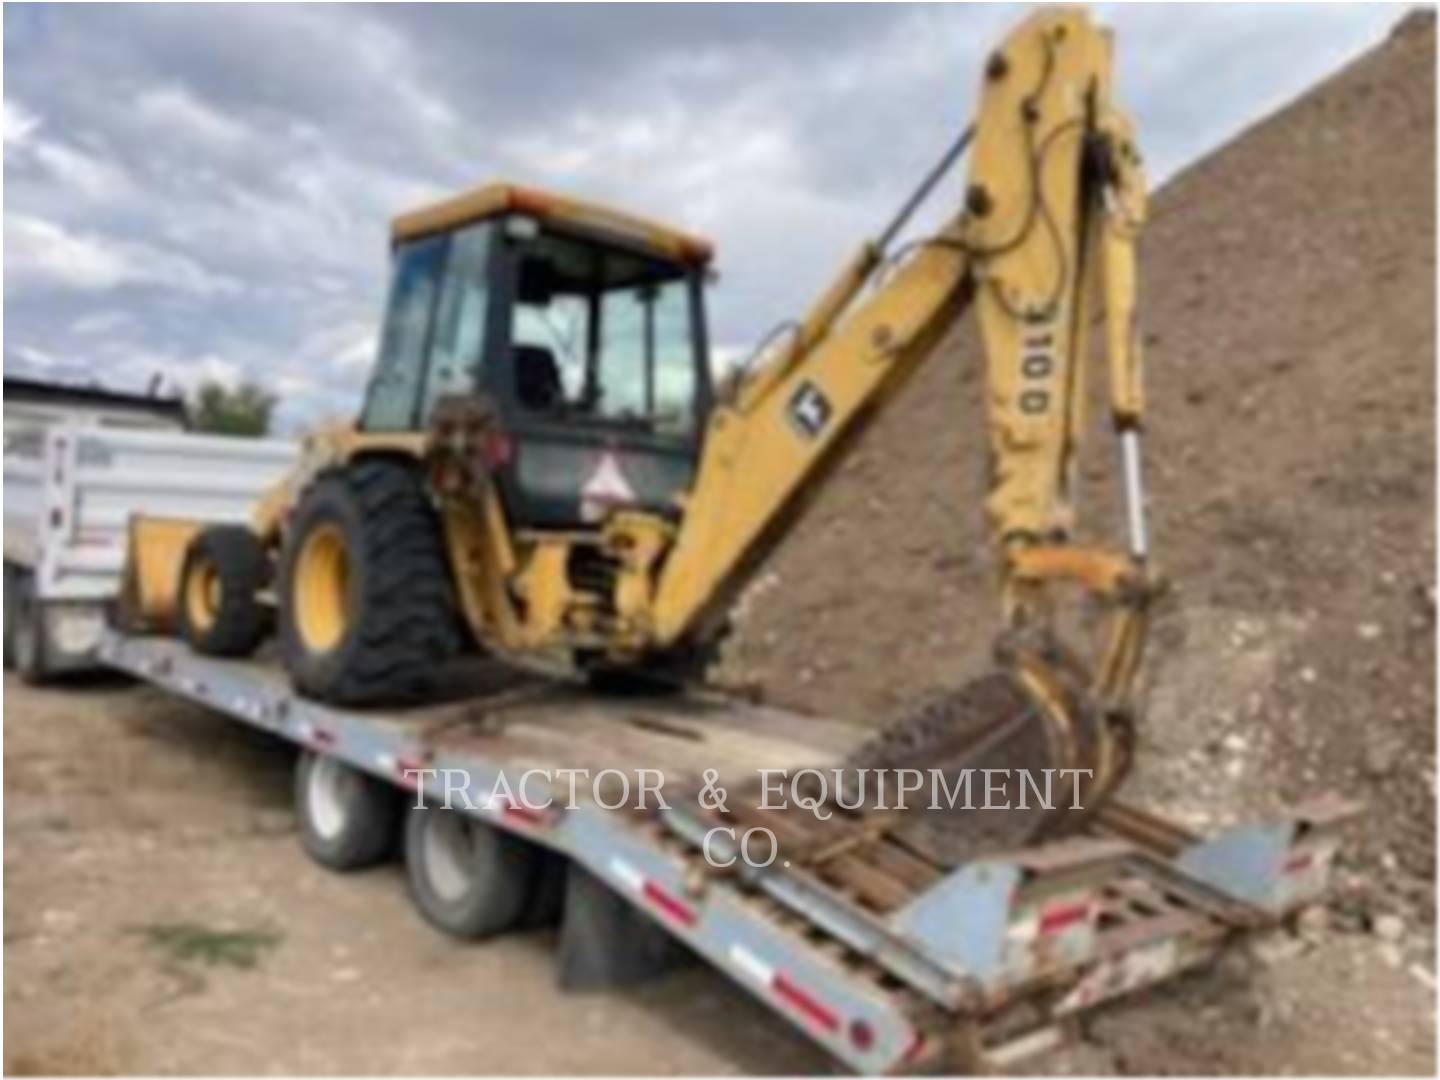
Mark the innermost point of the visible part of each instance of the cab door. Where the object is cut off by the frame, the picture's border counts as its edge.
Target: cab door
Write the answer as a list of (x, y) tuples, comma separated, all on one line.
[(435, 328), (603, 384)]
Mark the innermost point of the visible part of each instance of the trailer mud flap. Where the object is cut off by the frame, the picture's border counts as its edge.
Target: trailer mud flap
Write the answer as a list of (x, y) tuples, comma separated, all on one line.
[(605, 942)]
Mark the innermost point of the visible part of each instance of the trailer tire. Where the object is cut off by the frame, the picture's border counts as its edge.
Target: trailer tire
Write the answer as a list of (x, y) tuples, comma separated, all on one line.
[(469, 879), (220, 611), (366, 601), (25, 630), (348, 820)]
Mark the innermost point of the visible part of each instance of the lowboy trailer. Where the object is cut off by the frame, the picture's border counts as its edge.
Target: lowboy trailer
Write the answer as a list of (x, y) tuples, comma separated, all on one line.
[(888, 962)]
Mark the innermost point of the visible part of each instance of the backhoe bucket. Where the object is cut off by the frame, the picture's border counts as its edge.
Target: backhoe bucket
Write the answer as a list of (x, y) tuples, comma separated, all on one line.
[(1000, 768)]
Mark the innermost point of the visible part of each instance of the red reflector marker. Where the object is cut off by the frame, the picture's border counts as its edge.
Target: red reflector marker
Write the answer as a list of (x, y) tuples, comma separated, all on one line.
[(654, 894), (796, 997), (520, 812), (862, 1035), (669, 905), (409, 770), (1058, 917), (791, 993)]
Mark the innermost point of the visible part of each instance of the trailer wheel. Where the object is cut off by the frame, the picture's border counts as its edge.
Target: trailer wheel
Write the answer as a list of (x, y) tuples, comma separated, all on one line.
[(366, 601), (220, 611), (468, 879), (347, 819), (25, 630)]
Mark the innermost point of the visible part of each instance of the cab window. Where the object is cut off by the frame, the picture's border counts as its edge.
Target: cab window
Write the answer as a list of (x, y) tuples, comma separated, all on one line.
[(646, 355), (603, 335), (393, 394), (432, 343), (456, 351)]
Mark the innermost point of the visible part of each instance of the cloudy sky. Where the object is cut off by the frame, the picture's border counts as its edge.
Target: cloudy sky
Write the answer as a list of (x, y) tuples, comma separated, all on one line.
[(204, 190)]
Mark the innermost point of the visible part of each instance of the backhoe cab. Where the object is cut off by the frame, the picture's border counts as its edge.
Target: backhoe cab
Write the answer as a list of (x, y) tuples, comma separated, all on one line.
[(542, 375), (581, 329)]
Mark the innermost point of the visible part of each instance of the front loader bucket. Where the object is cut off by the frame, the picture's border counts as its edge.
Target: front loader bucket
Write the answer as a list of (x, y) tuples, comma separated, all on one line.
[(154, 556)]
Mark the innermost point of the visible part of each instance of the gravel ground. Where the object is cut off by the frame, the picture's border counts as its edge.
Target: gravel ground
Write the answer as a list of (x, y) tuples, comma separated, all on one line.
[(160, 917)]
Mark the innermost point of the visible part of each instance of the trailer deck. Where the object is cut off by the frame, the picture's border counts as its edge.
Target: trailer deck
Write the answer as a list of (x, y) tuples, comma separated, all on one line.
[(888, 961)]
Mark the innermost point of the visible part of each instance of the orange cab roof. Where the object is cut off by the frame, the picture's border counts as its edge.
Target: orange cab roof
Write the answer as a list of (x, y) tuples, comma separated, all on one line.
[(495, 199)]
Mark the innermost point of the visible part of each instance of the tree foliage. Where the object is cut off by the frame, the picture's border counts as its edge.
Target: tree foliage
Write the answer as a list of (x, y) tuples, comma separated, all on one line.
[(242, 410)]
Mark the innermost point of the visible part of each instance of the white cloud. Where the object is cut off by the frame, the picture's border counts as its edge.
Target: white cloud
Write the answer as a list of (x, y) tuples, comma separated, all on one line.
[(137, 365), (41, 253), (347, 347), (83, 174), (66, 168), (208, 368), (19, 123), (100, 323), (175, 110), (37, 358)]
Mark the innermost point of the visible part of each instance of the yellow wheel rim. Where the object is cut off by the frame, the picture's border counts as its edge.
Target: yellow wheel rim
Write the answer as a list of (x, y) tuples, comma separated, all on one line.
[(202, 594), (322, 580)]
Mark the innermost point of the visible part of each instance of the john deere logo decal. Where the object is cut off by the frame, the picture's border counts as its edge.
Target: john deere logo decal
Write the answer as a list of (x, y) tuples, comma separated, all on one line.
[(810, 410)]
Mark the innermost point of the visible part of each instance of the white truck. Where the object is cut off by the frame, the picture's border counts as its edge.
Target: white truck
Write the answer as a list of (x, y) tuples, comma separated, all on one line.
[(70, 490)]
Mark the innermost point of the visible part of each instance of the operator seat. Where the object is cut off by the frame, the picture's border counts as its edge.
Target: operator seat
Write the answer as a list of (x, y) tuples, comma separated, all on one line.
[(537, 378)]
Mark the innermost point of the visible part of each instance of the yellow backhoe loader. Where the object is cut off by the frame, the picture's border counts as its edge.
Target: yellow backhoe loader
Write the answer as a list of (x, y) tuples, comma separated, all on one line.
[(543, 467)]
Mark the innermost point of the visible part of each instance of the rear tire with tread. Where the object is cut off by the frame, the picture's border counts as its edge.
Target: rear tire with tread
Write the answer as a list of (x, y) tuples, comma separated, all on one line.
[(400, 617)]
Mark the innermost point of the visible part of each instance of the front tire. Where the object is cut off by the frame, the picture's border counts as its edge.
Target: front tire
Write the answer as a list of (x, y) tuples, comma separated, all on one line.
[(366, 600), (220, 611)]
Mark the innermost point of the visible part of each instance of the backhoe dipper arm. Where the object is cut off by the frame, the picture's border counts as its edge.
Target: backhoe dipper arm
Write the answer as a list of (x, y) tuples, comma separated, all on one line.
[(1050, 215)]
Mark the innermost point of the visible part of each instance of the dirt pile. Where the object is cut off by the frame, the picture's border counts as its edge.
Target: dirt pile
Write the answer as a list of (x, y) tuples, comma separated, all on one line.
[(1289, 322)]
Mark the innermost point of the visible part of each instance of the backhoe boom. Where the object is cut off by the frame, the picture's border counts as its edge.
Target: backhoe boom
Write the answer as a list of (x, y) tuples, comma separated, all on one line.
[(1052, 207)]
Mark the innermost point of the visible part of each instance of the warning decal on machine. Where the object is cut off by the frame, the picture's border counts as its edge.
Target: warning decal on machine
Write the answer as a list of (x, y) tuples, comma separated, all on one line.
[(605, 489)]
